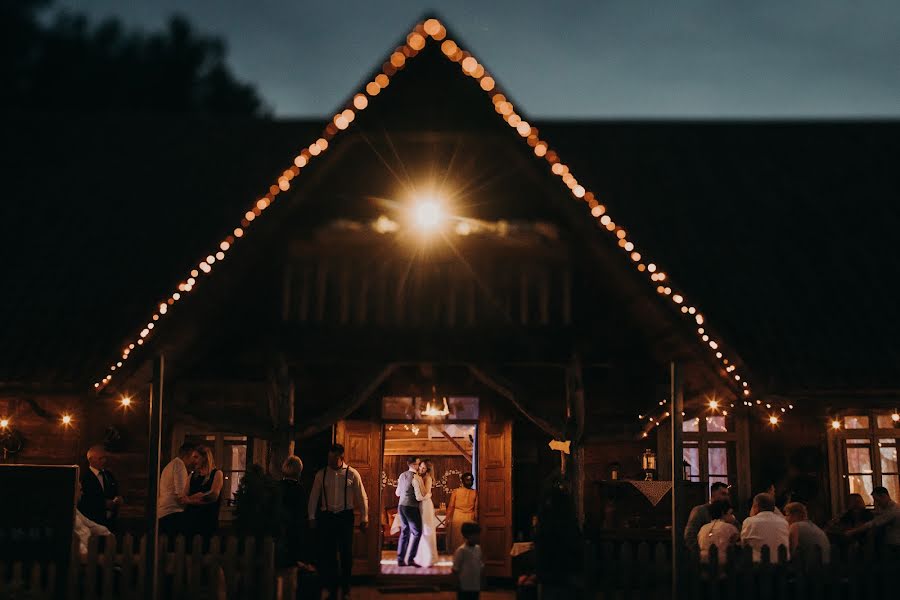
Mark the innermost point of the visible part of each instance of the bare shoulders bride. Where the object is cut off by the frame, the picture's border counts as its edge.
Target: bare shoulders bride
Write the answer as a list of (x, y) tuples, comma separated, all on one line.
[(427, 554)]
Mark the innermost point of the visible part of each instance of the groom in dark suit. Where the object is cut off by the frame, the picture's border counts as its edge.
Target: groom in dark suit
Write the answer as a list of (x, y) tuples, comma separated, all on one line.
[(409, 490), (100, 499)]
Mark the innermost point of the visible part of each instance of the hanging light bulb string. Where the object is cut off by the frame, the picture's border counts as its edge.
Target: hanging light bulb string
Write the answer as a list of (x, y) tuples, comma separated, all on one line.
[(433, 31), (773, 414)]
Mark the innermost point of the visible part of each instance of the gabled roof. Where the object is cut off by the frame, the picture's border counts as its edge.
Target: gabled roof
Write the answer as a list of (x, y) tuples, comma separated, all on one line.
[(783, 229), (431, 31)]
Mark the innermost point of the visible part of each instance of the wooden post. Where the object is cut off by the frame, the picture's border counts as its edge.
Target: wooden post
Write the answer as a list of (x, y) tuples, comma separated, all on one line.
[(155, 409), (575, 409), (281, 410), (677, 406)]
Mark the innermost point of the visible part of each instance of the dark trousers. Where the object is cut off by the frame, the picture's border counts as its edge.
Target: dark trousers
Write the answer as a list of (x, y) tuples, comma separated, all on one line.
[(461, 595), (171, 526), (410, 532), (336, 541)]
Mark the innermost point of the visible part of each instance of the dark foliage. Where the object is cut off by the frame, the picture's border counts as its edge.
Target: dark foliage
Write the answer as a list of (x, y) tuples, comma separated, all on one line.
[(67, 63)]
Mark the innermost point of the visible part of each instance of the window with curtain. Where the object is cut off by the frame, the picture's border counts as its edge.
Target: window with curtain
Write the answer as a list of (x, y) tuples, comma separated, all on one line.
[(709, 449), (868, 443)]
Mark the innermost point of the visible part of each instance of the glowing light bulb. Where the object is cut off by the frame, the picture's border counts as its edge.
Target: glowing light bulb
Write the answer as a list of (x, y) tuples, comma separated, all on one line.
[(714, 404), (4, 423), (773, 420), (66, 420), (835, 424), (125, 401), (427, 214), (894, 417)]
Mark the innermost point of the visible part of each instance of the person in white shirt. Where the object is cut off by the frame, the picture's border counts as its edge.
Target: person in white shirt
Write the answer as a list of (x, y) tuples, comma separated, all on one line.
[(174, 487), (765, 528), (468, 564), (720, 532), (84, 529), (337, 492)]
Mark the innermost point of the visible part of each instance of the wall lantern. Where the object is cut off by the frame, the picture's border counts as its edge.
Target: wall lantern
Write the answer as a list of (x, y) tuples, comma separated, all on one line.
[(614, 470), (648, 462)]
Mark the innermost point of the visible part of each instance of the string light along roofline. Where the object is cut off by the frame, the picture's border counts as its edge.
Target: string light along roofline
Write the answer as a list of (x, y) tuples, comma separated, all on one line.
[(425, 32)]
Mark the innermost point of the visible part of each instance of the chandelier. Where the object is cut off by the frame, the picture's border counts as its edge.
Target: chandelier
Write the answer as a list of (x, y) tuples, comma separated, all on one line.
[(434, 409)]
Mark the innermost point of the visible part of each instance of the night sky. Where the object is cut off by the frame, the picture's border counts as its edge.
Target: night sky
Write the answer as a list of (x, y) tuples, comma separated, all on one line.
[(596, 59)]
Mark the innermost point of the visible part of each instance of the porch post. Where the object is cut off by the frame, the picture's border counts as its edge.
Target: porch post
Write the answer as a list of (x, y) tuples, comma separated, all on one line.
[(677, 406), (155, 409), (575, 410)]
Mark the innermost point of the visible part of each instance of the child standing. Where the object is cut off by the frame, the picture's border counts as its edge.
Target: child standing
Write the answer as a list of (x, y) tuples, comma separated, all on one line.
[(468, 564)]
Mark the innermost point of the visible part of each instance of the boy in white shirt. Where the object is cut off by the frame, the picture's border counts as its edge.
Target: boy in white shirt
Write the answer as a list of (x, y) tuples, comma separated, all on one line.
[(468, 564)]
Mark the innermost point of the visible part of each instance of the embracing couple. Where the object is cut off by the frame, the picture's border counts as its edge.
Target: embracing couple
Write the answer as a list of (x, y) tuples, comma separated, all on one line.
[(418, 523)]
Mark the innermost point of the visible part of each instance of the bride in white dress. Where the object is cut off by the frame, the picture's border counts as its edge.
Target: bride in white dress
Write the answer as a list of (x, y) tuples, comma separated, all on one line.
[(427, 554)]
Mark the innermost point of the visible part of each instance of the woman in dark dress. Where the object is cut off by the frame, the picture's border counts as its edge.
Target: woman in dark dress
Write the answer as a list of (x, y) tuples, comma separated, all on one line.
[(202, 511), (294, 545)]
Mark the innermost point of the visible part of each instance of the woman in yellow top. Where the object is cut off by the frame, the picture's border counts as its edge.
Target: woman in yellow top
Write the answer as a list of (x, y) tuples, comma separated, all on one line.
[(463, 507)]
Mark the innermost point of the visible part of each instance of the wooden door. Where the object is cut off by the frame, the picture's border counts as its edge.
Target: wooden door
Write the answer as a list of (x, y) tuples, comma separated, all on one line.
[(362, 451), (495, 492)]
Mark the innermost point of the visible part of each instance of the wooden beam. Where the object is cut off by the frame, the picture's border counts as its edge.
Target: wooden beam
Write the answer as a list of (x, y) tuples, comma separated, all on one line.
[(456, 445), (340, 410), (495, 382)]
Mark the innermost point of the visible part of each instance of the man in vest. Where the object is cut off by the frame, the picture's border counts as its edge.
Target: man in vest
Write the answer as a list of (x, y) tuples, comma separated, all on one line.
[(409, 490), (336, 492)]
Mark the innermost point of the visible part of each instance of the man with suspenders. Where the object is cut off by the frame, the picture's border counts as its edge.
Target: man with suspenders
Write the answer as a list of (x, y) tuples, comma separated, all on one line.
[(336, 492)]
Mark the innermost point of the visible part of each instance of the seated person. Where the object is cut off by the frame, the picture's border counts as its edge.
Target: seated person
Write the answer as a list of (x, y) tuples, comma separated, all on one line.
[(765, 529), (807, 540), (84, 528), (720, 532)]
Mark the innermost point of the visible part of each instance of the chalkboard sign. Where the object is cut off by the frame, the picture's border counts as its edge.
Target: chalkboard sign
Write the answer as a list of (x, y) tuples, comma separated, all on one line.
[(37, 513)]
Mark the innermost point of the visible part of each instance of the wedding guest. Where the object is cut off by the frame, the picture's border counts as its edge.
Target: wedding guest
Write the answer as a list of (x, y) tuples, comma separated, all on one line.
[(856, 514), (886, 519), (462, 508), (770, 491), (336, 492), (295, 543), (468, 563), (719, 532), (700, 514), (84, 528), (100, 499), (201, 512), (557, 532), (173, 491), (764, 528), (806, 539)]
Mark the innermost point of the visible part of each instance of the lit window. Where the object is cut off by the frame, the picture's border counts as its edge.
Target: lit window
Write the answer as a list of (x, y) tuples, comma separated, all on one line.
[(709, 449), (868, 450), (856, 422)]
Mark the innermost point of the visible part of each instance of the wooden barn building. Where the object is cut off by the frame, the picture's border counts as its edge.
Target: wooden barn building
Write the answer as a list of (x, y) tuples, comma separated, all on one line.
[(432, 244)]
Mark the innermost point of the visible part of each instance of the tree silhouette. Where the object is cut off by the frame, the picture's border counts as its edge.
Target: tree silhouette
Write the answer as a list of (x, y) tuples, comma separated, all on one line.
[(69, 64)]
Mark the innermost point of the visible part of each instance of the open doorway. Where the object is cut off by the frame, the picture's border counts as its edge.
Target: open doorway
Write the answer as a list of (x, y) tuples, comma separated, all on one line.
[(449, 447)]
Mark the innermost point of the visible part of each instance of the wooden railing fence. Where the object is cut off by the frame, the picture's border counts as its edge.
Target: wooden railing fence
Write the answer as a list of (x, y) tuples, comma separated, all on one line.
[(626, 570), (228, 567)]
